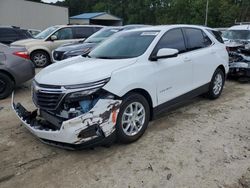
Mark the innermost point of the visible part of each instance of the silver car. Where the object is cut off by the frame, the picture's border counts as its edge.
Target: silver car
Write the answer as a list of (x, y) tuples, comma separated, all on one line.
[(15, 68)]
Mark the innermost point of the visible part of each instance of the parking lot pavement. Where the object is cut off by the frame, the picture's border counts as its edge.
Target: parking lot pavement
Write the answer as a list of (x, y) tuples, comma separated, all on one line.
[(204, 144)]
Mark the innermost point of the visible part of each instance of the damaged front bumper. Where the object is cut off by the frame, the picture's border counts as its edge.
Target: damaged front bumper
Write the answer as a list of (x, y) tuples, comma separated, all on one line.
[(95, 127)]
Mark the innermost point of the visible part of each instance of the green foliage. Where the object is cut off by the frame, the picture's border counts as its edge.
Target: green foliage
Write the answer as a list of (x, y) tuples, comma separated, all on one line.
[(221, 13)]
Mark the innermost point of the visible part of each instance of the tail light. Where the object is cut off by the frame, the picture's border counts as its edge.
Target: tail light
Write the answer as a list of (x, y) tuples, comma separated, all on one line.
[(24, 55)]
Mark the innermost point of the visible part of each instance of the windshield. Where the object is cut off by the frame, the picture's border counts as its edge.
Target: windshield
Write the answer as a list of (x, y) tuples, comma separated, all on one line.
[(102, 34), (45, 33), (237, 34), (124, 45)]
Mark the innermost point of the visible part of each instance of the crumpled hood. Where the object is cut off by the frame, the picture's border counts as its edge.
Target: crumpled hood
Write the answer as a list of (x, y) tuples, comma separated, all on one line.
[(80, 70), (236, 43), (25, 42), (233, 44)]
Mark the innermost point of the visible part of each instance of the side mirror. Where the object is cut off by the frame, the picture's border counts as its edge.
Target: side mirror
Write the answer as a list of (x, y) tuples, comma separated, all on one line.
[(165, 53), (53, 37)]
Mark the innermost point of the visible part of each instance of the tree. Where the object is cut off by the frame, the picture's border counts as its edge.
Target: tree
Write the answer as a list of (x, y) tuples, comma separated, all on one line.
[(222, 13)]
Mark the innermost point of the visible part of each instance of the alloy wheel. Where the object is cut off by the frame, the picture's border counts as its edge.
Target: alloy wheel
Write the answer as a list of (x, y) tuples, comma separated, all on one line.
[(218, 83), (133, 118)]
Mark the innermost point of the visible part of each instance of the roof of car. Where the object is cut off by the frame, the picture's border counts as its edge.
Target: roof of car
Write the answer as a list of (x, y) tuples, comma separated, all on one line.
[(240, 27), (78, 26), (166, 27)]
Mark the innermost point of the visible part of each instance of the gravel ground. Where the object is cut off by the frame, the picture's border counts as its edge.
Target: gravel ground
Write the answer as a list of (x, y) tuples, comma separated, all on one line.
[(203, 144)]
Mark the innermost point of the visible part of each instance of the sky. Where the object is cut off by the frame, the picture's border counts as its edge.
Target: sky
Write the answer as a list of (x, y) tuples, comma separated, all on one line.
[(49, 1)]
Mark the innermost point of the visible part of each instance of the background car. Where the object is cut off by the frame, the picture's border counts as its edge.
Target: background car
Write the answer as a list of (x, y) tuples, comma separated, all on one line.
[(9, 34), (15, 68), (44, 43), (237, 40), (82, 48), (237, 32), (34, 32)]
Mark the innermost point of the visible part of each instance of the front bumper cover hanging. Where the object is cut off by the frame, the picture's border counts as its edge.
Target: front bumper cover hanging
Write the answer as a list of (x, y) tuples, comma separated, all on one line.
[(95, 127)]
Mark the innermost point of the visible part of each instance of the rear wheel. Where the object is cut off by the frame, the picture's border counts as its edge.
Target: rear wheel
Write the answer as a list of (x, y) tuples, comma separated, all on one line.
[(40, 59), (216, 84), (133, 118), (6, 85)]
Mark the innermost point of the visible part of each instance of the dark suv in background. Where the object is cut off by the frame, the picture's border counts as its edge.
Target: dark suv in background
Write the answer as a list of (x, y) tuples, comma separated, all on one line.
[(84, 47), (9, 34)]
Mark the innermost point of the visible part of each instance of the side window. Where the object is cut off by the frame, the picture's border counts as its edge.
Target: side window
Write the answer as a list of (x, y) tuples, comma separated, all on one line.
[(64, 34), (207, 40), (172, 39), (83, 32), (216, 34), (197, 39)]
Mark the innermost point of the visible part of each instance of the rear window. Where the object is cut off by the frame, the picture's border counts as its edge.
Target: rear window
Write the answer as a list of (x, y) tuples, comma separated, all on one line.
[(216, 34)]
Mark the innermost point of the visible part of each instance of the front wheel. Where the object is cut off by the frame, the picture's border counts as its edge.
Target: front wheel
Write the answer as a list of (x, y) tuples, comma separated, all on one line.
[(216, 84), (133, 118)]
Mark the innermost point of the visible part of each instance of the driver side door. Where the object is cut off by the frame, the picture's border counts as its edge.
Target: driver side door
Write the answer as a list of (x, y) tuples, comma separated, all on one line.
[(64, 36), (173, 75)]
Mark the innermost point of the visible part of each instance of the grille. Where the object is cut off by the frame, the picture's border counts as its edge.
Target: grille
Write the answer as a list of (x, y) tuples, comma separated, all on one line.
[(47, 101), (57, 55)]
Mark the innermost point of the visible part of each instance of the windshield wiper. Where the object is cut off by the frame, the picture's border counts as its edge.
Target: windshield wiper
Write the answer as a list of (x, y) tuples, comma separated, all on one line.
[(86, 55), (106, 57)]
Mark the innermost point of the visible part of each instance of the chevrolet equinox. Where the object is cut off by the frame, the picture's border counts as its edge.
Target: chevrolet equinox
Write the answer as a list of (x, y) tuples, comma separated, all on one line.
[(115, 90)]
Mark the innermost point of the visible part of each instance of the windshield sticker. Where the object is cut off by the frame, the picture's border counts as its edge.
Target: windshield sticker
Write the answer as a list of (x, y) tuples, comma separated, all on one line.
[(149, 33)]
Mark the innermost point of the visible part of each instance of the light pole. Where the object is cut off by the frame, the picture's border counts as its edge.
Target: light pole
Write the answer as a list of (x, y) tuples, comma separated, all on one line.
[(206, 12)]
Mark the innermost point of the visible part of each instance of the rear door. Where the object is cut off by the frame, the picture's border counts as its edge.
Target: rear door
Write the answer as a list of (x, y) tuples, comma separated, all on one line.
[(201, 54), (173, 75)]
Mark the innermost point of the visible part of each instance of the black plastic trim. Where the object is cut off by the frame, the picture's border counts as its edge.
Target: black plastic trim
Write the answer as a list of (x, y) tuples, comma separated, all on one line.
[(99, 141)]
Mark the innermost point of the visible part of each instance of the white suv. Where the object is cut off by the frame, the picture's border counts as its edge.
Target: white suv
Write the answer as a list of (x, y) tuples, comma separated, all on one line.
[(123, 83)]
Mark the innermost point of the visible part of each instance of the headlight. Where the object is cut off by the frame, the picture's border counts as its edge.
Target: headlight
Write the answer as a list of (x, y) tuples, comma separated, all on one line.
[(77, 52), (83, 90), (81, 94)]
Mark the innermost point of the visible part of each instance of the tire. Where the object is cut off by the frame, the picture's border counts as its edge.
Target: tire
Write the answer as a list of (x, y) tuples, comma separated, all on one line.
[(216, 84), (6, 85), (137, 120), (40, 59)]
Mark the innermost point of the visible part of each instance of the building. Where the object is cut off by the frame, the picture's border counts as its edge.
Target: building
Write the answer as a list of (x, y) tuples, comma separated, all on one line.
[(32, 15), (97, 18)]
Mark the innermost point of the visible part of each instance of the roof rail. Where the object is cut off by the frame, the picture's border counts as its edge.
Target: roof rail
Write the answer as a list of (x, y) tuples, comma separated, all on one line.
[(242, 23)]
